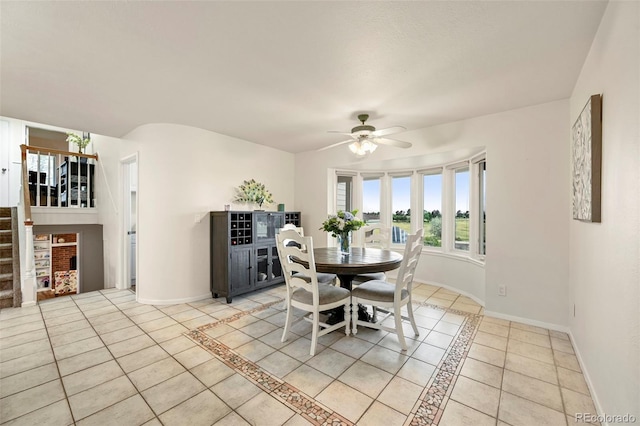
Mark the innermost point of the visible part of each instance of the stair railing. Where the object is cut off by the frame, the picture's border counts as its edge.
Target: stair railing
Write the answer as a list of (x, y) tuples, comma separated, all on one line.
[(58, 178)]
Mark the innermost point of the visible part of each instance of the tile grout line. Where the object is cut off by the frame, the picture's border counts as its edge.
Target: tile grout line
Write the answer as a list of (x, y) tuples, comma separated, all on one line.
[(156, 415), (55, 360), (555, 368), (110, 353), (91, 325)]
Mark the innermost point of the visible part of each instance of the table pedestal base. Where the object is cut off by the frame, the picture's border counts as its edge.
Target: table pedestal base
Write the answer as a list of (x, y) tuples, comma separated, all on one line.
[(337, 315)]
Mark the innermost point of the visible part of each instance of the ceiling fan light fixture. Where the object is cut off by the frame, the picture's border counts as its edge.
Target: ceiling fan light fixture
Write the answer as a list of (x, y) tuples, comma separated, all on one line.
[(362, 147), (367, 145)]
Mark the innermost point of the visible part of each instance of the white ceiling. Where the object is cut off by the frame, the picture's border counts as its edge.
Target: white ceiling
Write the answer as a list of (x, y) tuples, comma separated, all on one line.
[(283, 73)]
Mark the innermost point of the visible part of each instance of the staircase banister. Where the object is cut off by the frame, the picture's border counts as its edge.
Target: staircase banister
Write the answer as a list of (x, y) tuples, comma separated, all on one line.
[(25, 148), (26, 197)]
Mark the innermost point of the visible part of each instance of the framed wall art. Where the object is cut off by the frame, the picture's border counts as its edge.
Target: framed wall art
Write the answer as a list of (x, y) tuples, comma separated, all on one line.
[(586, 136)]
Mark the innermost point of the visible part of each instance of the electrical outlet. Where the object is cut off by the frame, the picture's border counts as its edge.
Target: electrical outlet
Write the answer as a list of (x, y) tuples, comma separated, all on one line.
[(502, 290), (197, 218)]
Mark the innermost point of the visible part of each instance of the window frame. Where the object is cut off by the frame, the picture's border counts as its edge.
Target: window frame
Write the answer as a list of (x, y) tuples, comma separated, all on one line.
[(452, 215), (412, 188), (370, 177), (431, 172), (476, 188)]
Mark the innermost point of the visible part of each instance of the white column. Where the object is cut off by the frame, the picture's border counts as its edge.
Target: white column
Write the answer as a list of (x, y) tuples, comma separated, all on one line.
[(29, 279)]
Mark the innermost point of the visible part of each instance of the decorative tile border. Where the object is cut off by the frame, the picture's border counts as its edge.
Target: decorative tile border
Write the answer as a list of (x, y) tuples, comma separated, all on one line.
[(286, 393), (431, 404), (427, 411)]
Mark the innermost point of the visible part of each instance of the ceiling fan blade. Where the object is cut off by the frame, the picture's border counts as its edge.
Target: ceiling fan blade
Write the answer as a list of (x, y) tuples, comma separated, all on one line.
[(392, 142), (340, 133), (336, 144), (389, 131)]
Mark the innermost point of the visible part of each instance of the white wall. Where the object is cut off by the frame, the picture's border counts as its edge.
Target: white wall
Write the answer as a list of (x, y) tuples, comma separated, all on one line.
[(109, 205), (465, 276), (605, 257), (527, 204), (186, 172)]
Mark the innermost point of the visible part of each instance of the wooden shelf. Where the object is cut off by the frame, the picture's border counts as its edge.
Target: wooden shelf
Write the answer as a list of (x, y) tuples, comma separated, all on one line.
[(63, 244)]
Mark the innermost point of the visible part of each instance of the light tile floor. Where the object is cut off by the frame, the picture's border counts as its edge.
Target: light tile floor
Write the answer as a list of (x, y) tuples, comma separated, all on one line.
[(101, 358)]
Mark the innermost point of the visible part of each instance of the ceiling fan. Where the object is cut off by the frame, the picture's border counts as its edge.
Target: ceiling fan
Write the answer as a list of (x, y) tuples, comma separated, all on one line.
[(365, 138)]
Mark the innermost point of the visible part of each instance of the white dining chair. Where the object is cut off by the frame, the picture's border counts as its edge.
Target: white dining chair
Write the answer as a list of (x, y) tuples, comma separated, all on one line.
[(383, 294), (323, 278), (291, 226), (375, 236), (304, 292)]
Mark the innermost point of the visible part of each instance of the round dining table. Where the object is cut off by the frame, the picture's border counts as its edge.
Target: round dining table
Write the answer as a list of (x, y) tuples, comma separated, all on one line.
[(360, 260)]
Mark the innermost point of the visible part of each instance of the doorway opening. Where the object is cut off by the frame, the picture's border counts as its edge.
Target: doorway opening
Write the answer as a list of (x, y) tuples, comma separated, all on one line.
[(130, 221)]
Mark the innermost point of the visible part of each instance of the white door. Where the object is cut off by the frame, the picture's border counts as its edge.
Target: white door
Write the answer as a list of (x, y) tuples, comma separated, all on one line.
[(130, 220)]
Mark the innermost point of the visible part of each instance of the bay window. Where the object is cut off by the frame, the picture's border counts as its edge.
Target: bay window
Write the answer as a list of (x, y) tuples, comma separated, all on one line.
[(448, 201)]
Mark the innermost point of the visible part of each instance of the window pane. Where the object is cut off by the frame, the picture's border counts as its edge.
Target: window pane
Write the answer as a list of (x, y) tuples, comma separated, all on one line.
[(371, 200), (482, 247), (432, 210), (343, 199), (401, 209), (462, 210)]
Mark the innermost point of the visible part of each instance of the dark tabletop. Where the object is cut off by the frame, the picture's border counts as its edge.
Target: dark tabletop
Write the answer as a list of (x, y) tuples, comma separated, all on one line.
[(359, 261)]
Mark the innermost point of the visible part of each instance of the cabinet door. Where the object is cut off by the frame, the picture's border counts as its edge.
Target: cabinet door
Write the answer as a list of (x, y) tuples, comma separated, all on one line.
[(267, 225), (263, 274), (277, 220), (241, 266), (261, 229), (276, 268)]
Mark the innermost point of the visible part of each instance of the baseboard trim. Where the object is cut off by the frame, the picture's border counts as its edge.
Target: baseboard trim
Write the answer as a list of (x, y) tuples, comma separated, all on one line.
[(528, 321), (452, 288), (587, 378), (173, 301), (27, 304)]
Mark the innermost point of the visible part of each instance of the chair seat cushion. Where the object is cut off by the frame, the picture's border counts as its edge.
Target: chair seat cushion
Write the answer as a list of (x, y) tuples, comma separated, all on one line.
[(361, 278), (322, 277), (379, 291), (328, 294)]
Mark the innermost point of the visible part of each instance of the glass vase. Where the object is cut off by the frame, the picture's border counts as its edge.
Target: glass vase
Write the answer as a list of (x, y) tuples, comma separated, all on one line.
[(344, 243)]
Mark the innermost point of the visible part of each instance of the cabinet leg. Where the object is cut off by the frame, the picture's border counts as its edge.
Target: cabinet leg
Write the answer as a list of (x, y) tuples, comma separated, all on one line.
[(215, 295), (228, 300)]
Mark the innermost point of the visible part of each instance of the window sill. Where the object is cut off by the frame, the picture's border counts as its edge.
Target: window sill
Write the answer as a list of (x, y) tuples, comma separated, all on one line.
[(454, 255)]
